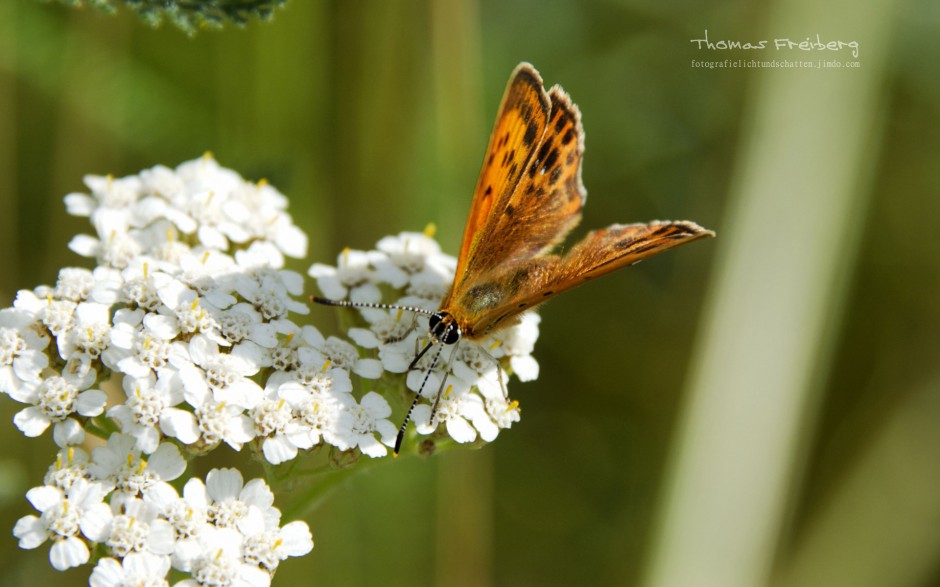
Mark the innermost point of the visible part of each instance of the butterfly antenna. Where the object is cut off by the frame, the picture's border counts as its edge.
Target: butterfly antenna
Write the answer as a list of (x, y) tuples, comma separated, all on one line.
[(349, 304), (414, 402)]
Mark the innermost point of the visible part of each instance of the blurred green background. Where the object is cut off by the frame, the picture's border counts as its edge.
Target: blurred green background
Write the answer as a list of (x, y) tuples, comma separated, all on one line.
[(762, 409)]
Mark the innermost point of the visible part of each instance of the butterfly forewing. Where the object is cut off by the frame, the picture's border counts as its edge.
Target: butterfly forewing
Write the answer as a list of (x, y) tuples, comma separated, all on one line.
[(546, 203), (520, 124)]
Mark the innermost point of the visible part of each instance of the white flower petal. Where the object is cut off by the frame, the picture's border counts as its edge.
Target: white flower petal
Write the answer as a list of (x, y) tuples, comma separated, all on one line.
[(91, 403), (368, 368), (296, 539), (67, 553), (32, 421)]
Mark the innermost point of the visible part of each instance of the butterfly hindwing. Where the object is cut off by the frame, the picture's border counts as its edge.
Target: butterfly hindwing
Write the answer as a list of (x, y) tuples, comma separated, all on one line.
[(600, 252)]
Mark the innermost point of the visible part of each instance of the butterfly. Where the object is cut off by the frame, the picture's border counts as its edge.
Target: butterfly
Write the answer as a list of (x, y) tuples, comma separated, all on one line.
[(528, 198)]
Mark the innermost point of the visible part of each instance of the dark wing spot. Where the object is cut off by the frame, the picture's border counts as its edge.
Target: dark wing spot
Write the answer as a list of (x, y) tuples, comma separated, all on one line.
[(560, 123), (529, 134), (526, 111), (543, 152), (490, 160), (513, 169), (556, 173), (510, 210), (567, 137), (550, 160), (522, 305), (548, 293), (489, 191)]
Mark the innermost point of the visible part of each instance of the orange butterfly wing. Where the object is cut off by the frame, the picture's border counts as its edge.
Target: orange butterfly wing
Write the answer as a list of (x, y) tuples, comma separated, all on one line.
[(598, 253), (520, 124), (546, 203)]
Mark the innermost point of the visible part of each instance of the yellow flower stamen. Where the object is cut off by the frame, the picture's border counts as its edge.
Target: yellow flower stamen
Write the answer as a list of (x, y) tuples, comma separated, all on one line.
[(430, 230), (496, 344), (326, 365)]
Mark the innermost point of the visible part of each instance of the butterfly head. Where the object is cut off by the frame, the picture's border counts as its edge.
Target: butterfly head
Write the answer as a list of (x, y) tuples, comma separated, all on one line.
[(443, 328)]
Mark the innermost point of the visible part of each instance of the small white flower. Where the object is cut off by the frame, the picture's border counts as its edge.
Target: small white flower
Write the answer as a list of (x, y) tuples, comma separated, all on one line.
[(518, 343), (267, 549), (242, 322), (232, 503), (220, 422), (150, 408), (371, 417), (141, 343), (90, 333), (216, 559), (225, 375), (502, 412), (322, 411), (209, 274), (353, 271), (282, 433), (405, 255), (63, 515), (55, 399), (115, 246), (185, 516), (342, 354), (136, 527), (74, 284), (141, 569), (461, 411), (21, 350), (270, 292), (70, 464), (120, 463)]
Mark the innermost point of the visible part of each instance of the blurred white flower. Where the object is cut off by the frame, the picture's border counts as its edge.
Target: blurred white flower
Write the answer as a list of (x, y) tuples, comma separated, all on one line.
[(138, 568), (21, 350), (353, 271)]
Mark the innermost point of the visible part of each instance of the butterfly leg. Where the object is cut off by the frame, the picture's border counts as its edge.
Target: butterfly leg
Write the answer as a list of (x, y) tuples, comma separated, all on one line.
[(440, 390), (499, 373), (414, 324)]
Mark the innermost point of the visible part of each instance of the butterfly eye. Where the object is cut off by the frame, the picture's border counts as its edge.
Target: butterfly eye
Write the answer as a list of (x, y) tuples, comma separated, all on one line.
[(451, 334), (433, 321)]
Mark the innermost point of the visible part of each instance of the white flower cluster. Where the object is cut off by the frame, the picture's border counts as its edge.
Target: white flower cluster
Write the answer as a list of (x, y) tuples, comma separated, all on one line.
[(221, 532), (180, 340), (413, 271)]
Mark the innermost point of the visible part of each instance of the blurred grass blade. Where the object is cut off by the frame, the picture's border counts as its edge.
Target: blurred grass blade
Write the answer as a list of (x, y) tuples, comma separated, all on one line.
[(794, 220), (879, 526)]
